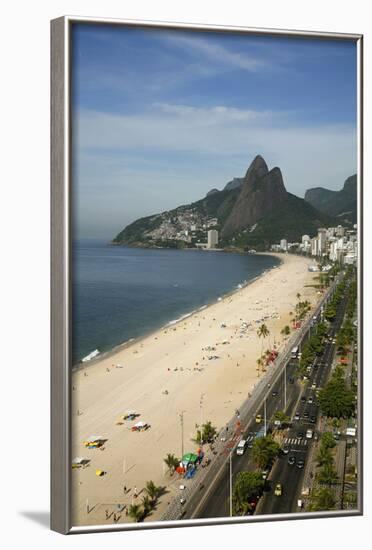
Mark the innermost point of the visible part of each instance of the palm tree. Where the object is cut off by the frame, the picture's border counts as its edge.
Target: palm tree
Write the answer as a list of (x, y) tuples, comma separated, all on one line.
[(298, 296), (322, 499), (135, 512), (152, 490), (259, 365), (263, 332), (206, 433), (147, 504), (264, 451), (282, 418), (172, 462)]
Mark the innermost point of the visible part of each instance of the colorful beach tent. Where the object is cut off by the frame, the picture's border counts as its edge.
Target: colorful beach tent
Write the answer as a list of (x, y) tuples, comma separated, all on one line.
[(94, 438), (189, 458), (78, 460)]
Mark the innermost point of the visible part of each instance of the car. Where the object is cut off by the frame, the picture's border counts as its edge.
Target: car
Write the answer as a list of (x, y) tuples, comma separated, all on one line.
[(310, 399), (278, 490), (274, 393), (336, 436), (300, 463), (297, 416), (306, 414), (292, 460), (300, 435), (303, 399), (258, 418), (265, 473), (285, 449), (291, 380), (313, 386), (313, 419)]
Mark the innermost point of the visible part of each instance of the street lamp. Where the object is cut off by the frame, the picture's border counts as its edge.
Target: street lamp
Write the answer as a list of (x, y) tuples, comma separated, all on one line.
[(285, 386), (181, 420), (201, 418)]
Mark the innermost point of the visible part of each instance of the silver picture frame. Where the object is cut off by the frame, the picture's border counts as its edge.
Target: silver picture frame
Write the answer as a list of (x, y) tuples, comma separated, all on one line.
[(61, 196)]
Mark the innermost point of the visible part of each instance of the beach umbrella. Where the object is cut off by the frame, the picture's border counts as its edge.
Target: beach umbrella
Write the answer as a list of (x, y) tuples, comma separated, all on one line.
[(189, 457)]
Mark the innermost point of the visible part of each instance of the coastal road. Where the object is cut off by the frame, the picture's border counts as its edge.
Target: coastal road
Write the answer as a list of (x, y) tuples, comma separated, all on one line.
[(289, 475), (199, 496), (216, 503), (300, 399)]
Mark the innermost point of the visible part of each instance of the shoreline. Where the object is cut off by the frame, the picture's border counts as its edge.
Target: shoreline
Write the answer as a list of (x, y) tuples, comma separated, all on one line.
[(123, 345), (207, 365)]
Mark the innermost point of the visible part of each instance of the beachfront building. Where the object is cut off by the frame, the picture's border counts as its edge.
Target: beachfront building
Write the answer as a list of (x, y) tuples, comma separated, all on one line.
[(314, 246), (322, 238), (212, 238), (305, 245), (283, 244), (339, 231)]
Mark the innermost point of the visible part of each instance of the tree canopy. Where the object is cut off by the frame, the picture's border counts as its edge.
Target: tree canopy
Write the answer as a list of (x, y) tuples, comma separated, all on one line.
[(264, 451), (322, 500), (247, 485), (336, 399)]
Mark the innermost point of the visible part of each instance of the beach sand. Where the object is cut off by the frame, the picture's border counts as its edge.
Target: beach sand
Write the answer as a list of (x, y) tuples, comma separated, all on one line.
[(173, 360)]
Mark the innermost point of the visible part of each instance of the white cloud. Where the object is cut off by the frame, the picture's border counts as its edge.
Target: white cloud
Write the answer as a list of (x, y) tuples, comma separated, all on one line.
[(220, 142), (216, 53), (219, 130)]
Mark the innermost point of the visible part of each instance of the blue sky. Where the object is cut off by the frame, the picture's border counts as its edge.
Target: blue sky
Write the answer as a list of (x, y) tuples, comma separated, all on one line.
[(162, 116)]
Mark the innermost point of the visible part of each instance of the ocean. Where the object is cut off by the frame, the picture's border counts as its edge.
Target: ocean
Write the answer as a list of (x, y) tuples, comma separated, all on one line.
[(120, 293)]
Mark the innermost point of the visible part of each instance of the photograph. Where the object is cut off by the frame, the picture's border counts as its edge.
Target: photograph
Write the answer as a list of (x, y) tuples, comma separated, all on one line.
[(215, 234)]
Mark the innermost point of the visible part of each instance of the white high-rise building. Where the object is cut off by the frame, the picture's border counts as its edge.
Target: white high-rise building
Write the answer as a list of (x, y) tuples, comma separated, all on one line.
[(314, 246), (340, 231), (283, 244), (322, 238), (212, 238)]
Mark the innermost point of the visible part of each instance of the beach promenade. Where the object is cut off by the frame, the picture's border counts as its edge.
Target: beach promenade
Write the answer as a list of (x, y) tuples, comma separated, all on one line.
[(202, 368)]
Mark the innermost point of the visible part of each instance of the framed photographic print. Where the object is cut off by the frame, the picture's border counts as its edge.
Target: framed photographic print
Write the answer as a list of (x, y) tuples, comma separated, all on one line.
[(206, 274)]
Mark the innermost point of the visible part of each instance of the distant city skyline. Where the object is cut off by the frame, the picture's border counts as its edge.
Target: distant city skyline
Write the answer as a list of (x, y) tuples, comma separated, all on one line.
[(160, 117)]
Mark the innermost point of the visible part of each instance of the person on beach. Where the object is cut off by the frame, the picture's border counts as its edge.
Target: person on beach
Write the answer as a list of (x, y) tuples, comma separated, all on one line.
[(107, 514)]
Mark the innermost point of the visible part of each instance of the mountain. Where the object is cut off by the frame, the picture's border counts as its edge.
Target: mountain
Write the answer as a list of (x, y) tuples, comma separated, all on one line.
[(257, 212), (341, 204), (233, 184), (290, 219), (212, 191), (260, 192)]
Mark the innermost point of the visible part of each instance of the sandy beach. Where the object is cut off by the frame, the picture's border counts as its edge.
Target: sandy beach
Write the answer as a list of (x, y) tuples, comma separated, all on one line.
[(165, 374)]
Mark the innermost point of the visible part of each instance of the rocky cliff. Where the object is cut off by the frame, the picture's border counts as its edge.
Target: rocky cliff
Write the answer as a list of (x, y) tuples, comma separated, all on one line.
[(261, 191), (342, 204)]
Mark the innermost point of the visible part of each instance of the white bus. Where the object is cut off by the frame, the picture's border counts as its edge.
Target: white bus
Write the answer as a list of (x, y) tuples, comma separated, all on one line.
[(294, 352), (241, 447)]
